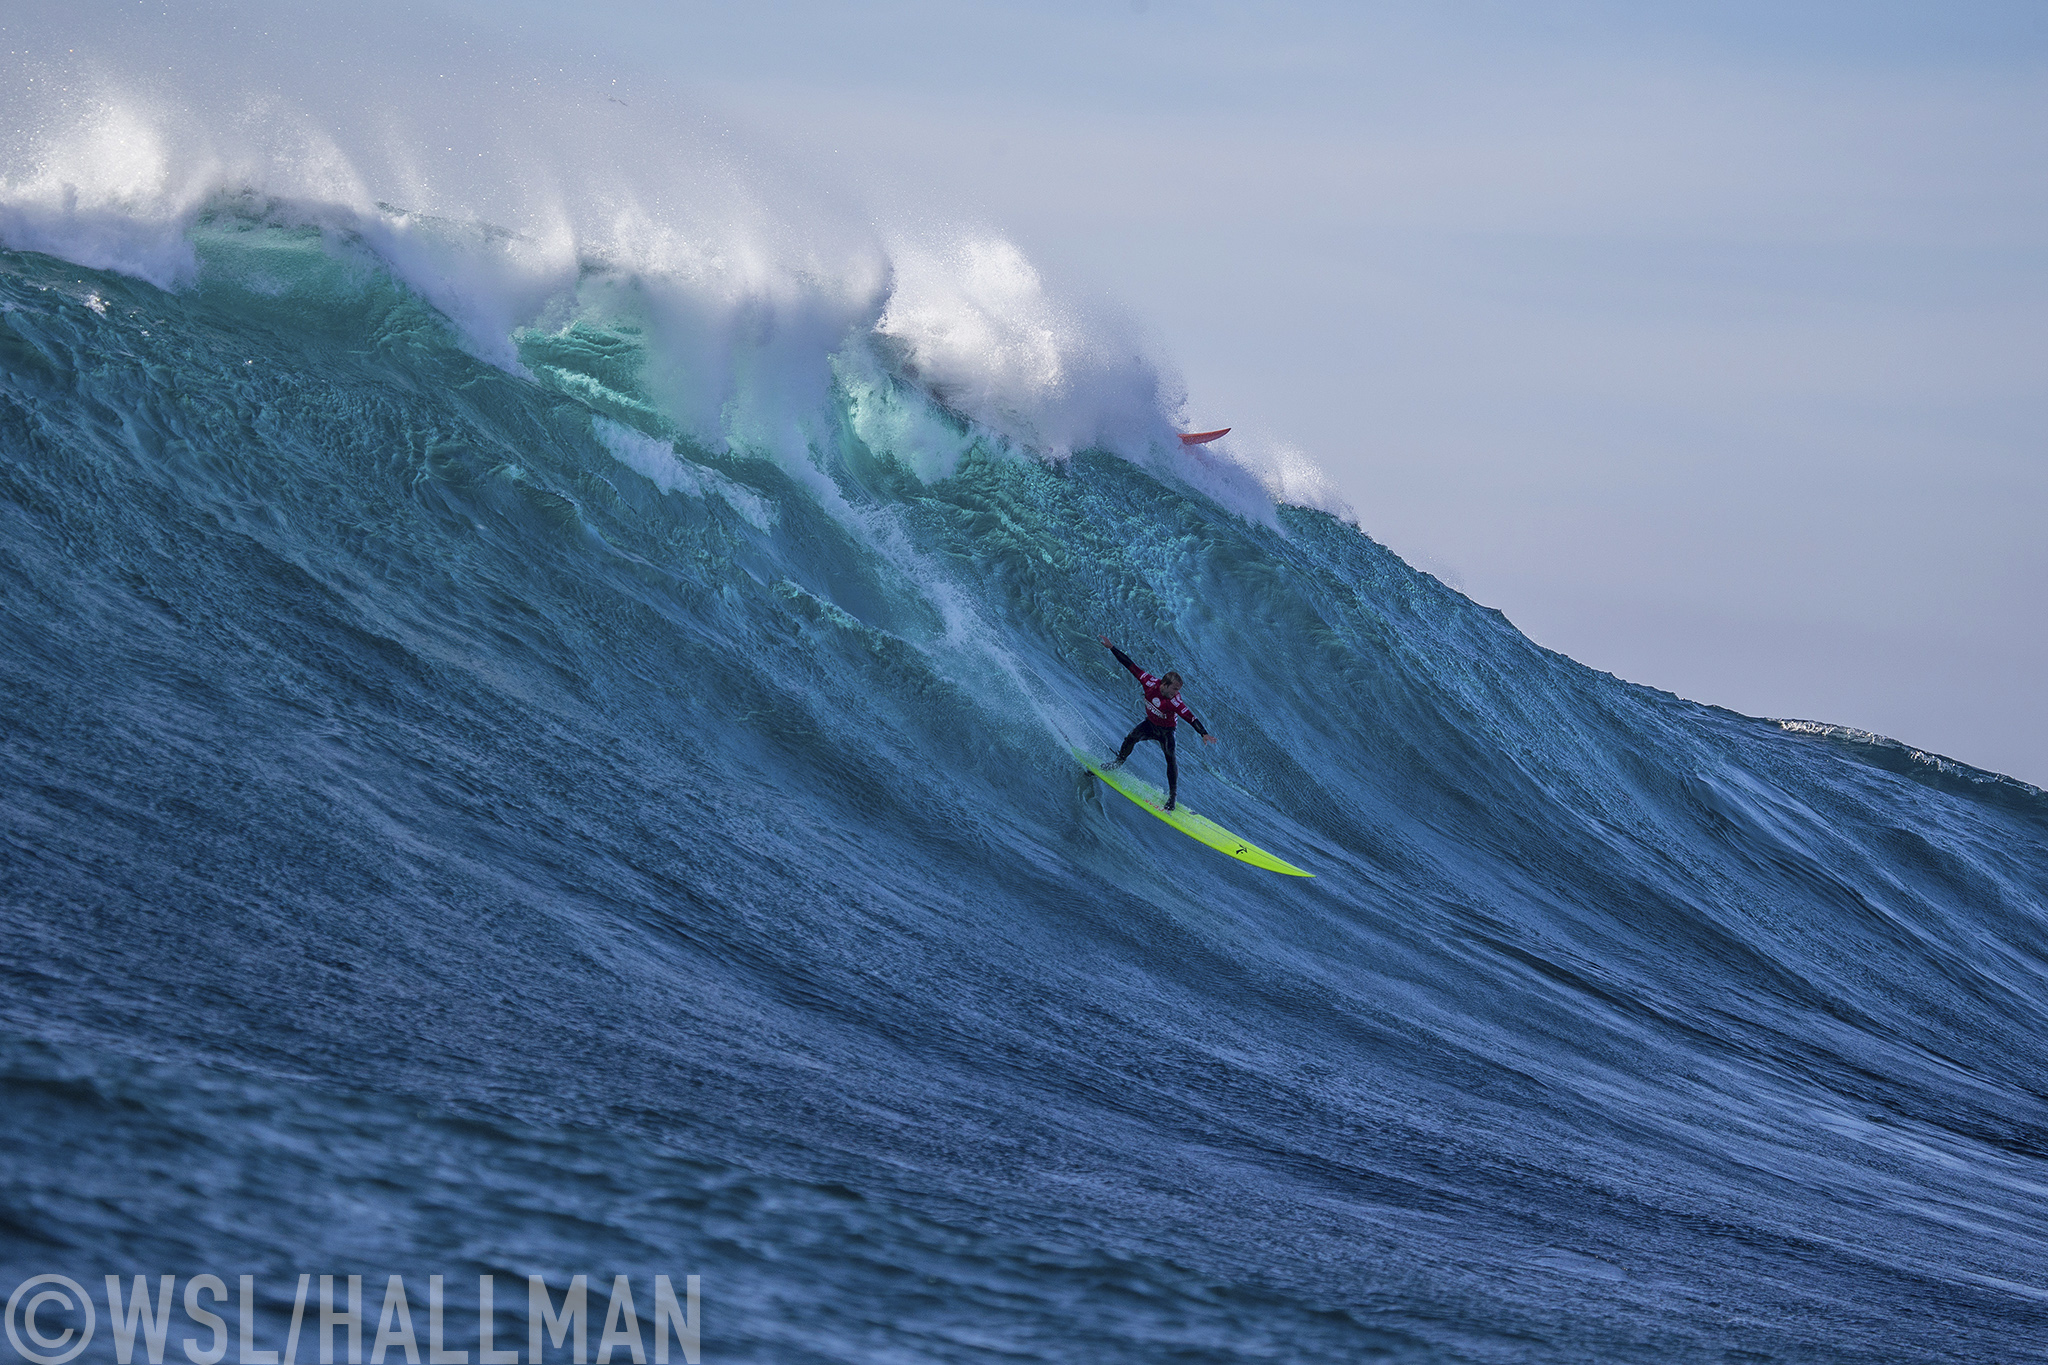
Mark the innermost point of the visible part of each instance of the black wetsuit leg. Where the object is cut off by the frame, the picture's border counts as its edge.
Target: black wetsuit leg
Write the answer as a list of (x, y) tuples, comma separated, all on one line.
[(1142, 730), (1145, 730)]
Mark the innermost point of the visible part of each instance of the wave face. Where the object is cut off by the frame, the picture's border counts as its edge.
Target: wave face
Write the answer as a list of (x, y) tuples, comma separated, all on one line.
[(463, 817)]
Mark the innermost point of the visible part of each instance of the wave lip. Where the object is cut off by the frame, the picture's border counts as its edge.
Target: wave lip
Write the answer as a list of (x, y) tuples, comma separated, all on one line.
[(1891, 755), (740, 289)]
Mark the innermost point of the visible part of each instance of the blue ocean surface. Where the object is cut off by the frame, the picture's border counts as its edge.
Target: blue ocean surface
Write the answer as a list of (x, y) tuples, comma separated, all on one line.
[(459, 821)]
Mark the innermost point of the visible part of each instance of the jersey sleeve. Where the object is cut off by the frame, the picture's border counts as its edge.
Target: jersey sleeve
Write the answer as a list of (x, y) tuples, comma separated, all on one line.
[(1187, 713)]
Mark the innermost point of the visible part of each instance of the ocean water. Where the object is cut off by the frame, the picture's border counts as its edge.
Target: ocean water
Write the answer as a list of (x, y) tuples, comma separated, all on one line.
[(581, 787)]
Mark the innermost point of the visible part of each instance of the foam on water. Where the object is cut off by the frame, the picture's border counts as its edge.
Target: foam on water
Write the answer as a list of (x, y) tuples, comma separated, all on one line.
[(659, 462)]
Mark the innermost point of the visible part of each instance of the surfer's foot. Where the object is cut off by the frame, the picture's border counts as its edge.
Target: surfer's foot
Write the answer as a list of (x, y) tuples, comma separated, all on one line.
[(1113, 763), (1169, 803)]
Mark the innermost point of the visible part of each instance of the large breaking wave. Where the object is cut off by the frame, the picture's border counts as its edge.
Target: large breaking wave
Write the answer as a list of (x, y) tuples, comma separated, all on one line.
[(538, 742)]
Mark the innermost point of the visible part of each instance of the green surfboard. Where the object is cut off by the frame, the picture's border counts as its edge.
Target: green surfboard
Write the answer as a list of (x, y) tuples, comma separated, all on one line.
[(1187, 822)]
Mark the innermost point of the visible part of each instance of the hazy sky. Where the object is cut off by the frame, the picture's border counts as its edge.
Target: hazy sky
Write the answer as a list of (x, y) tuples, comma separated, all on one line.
[(1709, 342), (1711, 347)]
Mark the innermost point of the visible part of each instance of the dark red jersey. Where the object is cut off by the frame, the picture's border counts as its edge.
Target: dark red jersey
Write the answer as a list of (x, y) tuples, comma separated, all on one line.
[(1160, 710)]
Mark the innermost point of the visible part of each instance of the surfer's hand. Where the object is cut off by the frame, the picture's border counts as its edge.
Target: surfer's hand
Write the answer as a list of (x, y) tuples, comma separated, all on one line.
[(1208, 739), (1105, 641)]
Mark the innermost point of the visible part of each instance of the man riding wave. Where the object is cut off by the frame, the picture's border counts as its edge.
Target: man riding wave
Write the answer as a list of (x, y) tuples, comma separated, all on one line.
[(1162, 705)]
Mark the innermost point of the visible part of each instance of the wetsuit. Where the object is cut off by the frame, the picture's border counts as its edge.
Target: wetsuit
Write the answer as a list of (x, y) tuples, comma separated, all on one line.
[(1158, 723)]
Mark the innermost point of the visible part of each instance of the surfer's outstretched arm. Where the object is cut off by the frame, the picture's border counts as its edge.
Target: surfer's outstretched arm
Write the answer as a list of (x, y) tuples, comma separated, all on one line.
[(1191, 718), (1140, 674)]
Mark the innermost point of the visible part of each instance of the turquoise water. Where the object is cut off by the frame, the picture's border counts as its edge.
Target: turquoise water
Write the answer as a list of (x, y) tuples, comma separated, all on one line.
[(458, 821)]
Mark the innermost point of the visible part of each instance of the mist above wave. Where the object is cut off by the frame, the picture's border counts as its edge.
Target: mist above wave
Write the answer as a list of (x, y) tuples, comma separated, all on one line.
[(522, 195)]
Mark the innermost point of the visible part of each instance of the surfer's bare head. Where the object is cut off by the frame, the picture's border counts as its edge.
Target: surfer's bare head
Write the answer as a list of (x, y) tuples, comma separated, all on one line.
[(1170, 685)]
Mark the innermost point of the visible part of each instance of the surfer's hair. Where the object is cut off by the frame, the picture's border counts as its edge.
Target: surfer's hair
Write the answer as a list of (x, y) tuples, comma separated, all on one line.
[(1173, 678)]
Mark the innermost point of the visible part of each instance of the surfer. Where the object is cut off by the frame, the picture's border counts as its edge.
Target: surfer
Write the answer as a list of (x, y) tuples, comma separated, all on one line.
[(1162, 704)]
